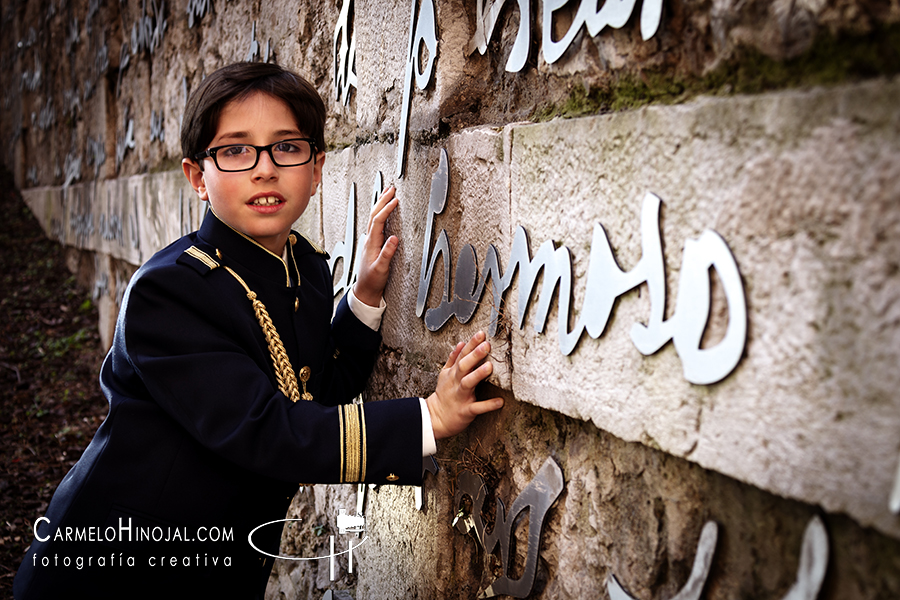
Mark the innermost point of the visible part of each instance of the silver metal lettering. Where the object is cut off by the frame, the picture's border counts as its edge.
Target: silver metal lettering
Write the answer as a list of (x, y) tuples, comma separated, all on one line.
[(253, 52), (436, 203), (196, 10), (72, 169), (537, 497), (429, 465), (344, 249), (101, 287), (344, 48), (422, 31), (81, 218), (124, 61), (93, 9), (157, 126), (31, 80), (486, 19), (46, 118), (72, 101), (894, 502), (184, 91), (101, 61), (111, 226), (147, 32), (126, 143), (605, 283), (706, 547), (29, 40), (692, 308), (72, 36), (96, 154), (613, 13), (813, 562)]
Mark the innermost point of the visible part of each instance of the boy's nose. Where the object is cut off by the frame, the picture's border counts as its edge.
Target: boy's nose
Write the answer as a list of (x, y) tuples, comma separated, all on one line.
[(265, 166)]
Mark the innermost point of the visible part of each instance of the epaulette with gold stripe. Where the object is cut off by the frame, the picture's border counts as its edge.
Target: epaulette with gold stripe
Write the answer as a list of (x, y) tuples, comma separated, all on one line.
[(201, 261), (352, 422), (315, 247)]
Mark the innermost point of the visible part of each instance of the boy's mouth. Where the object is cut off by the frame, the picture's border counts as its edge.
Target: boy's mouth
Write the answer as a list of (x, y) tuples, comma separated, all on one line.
[(266, 201)]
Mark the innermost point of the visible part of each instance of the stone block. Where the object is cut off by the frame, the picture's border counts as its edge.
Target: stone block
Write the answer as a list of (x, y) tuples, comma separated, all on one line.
[(810, 221)]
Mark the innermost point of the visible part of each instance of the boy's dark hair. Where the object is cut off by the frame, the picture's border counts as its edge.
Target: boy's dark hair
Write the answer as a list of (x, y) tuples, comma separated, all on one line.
[(239, 80)]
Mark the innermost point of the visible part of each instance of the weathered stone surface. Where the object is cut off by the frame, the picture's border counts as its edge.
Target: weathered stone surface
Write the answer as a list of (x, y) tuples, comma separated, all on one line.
[(808, 212), (68, 80), (627, 510), (129, 218)]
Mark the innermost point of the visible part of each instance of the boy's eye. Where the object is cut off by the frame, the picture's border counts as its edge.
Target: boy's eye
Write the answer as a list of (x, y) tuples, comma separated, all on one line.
[(287, 147), (236, 150)]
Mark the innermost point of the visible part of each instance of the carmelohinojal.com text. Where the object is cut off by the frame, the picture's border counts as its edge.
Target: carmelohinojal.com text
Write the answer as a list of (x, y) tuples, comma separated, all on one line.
[(130, 533)]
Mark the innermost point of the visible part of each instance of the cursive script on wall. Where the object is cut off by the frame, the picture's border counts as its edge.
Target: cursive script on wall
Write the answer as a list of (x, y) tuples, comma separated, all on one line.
[(605, 283), (612, 13)]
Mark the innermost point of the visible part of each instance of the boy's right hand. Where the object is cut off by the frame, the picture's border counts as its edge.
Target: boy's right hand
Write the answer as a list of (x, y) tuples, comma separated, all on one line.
[(377, 252), (453, 406)]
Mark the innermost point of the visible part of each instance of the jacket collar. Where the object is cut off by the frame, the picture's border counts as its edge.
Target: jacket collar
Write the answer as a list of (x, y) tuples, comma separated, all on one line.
[(244, 250)]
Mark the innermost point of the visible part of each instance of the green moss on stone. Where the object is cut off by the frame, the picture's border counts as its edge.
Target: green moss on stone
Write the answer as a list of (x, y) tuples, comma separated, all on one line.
[(829, 61)]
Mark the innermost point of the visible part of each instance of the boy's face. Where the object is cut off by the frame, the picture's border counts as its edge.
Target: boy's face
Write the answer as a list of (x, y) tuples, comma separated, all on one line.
[(243, 199)]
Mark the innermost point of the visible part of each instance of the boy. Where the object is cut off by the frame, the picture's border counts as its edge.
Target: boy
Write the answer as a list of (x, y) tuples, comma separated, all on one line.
[(228, 381)]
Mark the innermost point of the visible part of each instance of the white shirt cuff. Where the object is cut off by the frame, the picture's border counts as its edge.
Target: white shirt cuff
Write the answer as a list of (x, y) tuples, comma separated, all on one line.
[(369, 315), (429, 446)]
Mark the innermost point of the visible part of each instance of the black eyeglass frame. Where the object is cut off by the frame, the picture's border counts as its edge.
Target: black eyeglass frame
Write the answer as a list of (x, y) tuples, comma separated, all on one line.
[(211, 153)]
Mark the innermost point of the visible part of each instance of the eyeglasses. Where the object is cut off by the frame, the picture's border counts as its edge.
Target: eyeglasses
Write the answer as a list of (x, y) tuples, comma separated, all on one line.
[(243, 157)]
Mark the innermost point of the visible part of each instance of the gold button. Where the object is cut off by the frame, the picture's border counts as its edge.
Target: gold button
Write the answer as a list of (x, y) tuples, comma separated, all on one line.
[(392, 478), (304, 374), (293, 239), (296, 304)]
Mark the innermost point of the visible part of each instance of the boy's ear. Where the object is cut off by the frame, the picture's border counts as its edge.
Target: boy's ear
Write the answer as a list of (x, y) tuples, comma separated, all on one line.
[(195, 176), (317, 173)]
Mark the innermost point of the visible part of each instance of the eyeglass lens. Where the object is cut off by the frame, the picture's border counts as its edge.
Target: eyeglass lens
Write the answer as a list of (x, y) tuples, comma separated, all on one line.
[(239, 157)]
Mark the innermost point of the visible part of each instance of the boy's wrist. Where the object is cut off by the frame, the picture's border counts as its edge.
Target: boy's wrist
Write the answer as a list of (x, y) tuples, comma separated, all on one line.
[(436, 426), (366, 297)]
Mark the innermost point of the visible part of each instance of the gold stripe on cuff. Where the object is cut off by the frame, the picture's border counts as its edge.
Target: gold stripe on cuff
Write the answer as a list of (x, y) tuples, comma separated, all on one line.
[(352, 422), (341, 442), (353, 435), (362, 421)]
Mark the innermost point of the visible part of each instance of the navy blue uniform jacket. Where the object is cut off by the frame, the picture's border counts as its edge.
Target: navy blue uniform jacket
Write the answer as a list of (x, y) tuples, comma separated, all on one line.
[(199, 441)]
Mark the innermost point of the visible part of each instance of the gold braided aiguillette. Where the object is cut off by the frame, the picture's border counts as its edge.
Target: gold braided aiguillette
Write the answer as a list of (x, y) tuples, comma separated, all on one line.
[(284, 373)]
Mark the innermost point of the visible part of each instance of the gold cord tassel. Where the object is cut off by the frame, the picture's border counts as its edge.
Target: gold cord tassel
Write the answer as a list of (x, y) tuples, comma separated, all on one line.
[(284, 373)]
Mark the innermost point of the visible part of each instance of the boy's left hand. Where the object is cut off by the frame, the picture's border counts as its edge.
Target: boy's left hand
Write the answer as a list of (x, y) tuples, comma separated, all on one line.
[(453, 405), (376, 253)]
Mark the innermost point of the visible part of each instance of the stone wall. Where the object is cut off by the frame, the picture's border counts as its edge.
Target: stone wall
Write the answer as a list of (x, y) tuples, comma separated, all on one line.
[(722, 176)]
